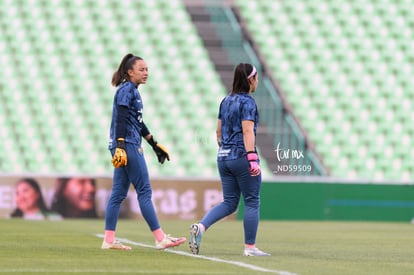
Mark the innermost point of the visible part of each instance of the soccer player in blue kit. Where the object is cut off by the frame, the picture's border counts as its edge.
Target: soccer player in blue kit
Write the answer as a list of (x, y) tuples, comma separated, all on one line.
[(237, 161), (126, 133)]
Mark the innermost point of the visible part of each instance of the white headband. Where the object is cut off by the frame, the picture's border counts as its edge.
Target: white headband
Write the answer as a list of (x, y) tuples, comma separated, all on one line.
[(253, 72)]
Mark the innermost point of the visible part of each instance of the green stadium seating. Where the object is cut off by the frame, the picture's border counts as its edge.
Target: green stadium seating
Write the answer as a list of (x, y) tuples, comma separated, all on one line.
[(346, 69), (59, 57)]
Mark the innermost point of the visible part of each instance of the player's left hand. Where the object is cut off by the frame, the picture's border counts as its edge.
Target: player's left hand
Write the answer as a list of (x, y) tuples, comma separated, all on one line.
[(120, 156)]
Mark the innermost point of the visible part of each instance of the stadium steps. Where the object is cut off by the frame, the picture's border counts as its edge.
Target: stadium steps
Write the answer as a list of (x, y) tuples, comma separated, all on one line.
[(206, 29), (58, 59), (225, 40), (219, 55)]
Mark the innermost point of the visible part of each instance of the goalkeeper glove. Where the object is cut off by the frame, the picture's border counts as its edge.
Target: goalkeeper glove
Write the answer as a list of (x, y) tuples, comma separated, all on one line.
[(120, 157), (252, 158), (159, 150)]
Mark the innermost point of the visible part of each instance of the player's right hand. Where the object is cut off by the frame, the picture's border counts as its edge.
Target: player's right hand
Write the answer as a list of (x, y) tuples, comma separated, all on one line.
[(159, 150), (252, 158), (120, 157)]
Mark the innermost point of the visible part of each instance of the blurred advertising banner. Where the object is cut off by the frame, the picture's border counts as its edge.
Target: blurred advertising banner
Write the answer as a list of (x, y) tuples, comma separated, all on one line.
[(44, 197)]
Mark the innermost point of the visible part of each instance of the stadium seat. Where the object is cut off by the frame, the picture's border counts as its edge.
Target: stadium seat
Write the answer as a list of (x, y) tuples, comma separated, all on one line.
[(70, 50), (340, 66)]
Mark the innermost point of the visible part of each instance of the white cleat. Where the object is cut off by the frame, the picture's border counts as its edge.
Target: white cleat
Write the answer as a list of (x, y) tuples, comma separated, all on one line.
[(195, 238), (115, 245), (169, 241), (254, 252)]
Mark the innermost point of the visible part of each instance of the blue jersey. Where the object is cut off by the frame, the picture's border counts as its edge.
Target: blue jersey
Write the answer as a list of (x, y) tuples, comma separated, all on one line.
[(127, 95), (233, 110)]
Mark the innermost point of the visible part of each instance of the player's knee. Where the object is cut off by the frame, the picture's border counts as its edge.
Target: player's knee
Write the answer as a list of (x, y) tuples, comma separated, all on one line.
[(231, 206)]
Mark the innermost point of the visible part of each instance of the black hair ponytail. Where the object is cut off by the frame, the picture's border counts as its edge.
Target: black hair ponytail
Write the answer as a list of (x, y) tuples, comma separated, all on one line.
[(121, 74)]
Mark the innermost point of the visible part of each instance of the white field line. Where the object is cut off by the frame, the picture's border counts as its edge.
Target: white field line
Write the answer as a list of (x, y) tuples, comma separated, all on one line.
[(81, 271), (213, 259)]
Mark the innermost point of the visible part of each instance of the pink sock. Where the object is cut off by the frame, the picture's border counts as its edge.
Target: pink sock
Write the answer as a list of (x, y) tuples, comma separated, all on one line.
[(158, 234), (248, 246), (109, 236)]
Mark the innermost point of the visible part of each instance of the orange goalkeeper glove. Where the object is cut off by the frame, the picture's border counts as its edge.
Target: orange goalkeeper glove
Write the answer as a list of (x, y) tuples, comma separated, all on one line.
[(120, 157), (159, 150)]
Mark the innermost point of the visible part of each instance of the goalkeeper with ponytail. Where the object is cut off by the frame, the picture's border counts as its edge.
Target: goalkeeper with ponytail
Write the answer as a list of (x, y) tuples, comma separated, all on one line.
[(126, 133), (237, 161)]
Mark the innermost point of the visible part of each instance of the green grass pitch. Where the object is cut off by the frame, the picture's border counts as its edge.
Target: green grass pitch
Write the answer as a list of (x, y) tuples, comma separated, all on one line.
[(305, 248)]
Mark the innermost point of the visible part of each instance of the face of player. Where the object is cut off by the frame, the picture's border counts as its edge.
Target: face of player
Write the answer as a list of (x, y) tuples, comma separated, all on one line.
[(80, 193), (26, 198), (139, 72), (253, 83)]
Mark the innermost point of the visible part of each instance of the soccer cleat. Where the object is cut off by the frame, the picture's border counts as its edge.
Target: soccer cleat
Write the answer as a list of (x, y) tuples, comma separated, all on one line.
[(115, 245), (169, 241), (195, 238), (254, 252)]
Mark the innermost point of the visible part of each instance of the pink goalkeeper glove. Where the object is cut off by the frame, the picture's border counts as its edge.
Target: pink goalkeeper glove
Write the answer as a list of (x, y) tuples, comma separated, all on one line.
[(254, 165)]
